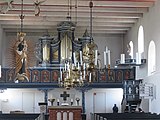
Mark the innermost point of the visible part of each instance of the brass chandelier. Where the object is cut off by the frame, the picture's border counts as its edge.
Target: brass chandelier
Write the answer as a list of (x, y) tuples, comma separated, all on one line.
[(79, 73), (80, 70)]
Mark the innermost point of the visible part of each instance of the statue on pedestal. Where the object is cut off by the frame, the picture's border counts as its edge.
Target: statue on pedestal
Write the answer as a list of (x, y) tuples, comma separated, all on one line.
[(21, 58)]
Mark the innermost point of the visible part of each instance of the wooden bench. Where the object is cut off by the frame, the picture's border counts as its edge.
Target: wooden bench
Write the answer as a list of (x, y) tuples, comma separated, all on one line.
[(125, 116), (19, 116)]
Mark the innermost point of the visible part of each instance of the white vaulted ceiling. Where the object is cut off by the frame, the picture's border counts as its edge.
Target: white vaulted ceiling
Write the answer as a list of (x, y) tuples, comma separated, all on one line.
[(109, 16)]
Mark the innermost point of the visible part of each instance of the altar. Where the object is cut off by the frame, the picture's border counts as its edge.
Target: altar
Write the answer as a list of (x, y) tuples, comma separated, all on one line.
[(65, 112)]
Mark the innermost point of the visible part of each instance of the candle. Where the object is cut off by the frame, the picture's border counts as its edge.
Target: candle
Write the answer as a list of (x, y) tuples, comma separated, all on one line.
[(69, 72), (65, 66), (80, 76), (90, 76), (122, 58), (109, 57), (96, 53), (84, 66), (67, 75), (84, 74), (138, 58), (104, 58), (61, 75), (81, 57), (106, 49), (78, 65), (74, 58)]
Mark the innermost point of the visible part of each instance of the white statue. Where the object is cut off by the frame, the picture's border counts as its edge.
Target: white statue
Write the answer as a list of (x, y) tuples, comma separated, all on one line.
[(129, 49)]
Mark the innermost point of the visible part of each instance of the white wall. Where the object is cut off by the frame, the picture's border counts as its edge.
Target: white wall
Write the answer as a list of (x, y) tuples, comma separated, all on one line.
[(1, 38), (114, 43), (151, 24), (97, 100), (11, 100)]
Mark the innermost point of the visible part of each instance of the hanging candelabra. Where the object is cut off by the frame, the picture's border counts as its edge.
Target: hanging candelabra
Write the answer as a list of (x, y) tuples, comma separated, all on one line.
[(78, 73), (81, 69)]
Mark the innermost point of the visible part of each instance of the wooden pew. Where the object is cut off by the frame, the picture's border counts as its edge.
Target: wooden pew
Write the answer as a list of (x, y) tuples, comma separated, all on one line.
[(126, 116), (19, 116)]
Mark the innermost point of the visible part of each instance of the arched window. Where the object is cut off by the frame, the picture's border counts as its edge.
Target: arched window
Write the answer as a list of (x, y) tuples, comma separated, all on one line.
[(141, 40), (131, 49), (151, 58)]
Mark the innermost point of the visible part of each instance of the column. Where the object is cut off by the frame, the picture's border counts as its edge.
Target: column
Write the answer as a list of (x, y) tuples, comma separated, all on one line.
[(83, 102)]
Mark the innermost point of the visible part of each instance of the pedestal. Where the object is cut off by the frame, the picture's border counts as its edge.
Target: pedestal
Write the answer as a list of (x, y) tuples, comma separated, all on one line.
[(65, 112), (43, 107)]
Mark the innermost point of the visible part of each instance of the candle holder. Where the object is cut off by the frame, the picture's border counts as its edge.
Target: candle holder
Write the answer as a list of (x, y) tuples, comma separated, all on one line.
[(57, 102), (51, 101), (77, 99), (71, 102)]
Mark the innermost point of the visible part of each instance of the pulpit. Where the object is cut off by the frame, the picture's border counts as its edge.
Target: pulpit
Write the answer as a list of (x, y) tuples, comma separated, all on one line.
[(65, 112)]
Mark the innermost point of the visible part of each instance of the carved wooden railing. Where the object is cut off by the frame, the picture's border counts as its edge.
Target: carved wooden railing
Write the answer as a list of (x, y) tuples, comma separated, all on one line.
[(52, 74)]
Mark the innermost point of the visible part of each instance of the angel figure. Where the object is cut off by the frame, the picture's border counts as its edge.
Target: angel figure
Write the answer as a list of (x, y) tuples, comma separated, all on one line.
[(6, 6), (129, 50), (37, 4)]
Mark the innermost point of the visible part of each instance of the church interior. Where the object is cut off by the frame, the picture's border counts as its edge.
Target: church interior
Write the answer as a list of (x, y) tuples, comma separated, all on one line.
[(79, 59)]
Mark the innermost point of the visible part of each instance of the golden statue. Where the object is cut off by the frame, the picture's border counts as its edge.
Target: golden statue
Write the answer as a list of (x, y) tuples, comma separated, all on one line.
[(21, 58)]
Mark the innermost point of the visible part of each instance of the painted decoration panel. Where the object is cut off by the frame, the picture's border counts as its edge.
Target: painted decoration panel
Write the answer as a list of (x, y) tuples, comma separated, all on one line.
[(95, 76), (36, 76), (102, 76), (55, 75), (129, 74), (111, 75), (10, 75), (45, 76), (119, 76)]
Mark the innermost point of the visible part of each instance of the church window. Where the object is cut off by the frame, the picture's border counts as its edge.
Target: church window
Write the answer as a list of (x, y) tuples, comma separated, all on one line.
[(151, 58), (141, 40)]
